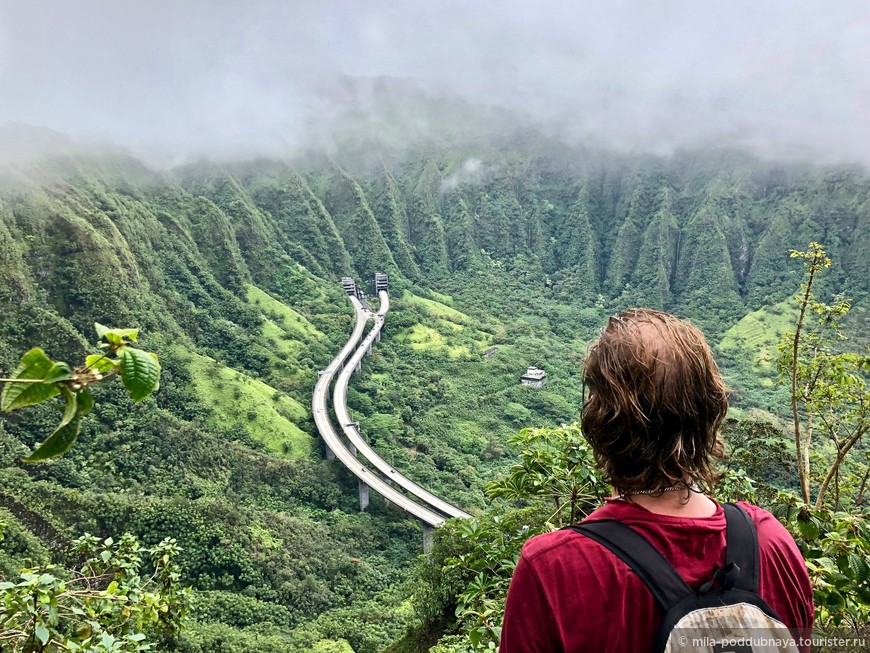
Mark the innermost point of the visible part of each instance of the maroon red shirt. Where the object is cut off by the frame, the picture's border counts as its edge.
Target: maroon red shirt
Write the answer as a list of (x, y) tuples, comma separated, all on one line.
[(569, 594)]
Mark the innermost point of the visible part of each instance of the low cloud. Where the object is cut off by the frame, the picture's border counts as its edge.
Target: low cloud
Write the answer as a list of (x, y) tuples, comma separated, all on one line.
[(173, 80), (470, 172)]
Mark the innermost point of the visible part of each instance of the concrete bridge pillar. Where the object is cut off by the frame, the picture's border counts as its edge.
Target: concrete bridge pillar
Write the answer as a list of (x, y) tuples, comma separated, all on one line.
[(352, 449), (378, 337), (369, 350), (428, 538), (330, 454), (388, 482), (363, 496), (358, 367)]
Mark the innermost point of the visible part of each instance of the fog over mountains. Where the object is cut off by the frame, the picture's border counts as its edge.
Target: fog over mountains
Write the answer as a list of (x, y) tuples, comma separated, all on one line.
[(174, 81)]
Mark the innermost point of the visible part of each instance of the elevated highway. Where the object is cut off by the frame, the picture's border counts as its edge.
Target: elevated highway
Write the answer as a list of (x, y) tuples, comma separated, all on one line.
[(351, 429), (367, 477)]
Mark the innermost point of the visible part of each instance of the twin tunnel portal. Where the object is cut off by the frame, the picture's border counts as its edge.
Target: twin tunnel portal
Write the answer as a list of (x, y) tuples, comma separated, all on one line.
[(346, 444)]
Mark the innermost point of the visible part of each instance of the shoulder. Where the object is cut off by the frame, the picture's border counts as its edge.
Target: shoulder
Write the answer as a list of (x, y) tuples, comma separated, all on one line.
[(564, 542), (769, 527), (759, 515), (549, 544), (775, 543)]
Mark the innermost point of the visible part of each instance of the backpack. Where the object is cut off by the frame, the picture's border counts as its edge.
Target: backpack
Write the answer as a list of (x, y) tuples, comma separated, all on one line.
[(726, 615)]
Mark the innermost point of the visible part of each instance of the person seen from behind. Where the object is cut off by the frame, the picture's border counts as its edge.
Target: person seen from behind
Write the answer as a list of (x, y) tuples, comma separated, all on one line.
[(653, 416)]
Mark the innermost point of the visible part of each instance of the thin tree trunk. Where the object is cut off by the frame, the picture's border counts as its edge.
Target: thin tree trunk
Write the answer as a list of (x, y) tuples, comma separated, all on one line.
[(841, 455), (801, 450), (860, 500), (804, 464)]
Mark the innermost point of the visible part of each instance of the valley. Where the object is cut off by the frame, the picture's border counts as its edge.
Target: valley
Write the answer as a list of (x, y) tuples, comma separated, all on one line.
[(232, 273)]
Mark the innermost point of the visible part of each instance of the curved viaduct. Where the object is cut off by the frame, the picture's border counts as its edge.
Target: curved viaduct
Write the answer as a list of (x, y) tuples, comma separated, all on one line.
[(351, 428), (378, 474)]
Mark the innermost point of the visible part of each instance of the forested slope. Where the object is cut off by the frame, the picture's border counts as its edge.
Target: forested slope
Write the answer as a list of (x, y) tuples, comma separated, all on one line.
[(231, 272)]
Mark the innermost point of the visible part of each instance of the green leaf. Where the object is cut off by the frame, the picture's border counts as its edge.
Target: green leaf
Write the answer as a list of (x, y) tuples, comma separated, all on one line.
[(140, 372), (65, 435), (835, 600), (57, 443), (855, 567), (101, 363), (116, 336), (809, 529), (42, 634), (59, 372), (86, 403), (69, 408), (37, 366)]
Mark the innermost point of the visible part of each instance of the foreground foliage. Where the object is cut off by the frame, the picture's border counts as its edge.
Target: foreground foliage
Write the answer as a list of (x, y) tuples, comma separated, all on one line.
[(468, 572), (37, 379), (112, 603), (829, 390), (836, 547)]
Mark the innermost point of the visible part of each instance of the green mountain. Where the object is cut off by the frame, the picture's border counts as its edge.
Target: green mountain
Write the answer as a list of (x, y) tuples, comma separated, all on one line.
[(517, 246)]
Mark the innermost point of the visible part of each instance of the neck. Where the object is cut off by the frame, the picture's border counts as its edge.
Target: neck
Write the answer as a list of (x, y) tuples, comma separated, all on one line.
[(680, 503)]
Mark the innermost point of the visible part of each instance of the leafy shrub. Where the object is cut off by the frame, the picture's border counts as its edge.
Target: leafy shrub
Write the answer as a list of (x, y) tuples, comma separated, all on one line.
[(109, 604)]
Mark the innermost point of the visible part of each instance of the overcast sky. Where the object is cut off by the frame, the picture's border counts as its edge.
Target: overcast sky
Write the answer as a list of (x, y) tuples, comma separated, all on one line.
[(183, 77)]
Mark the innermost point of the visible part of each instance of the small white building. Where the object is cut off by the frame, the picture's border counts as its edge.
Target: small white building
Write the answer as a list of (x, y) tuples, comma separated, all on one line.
[(534, 377)]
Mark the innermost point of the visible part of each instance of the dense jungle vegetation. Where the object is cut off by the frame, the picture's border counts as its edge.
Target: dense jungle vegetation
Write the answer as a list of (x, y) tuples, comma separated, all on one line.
[(518, 246)]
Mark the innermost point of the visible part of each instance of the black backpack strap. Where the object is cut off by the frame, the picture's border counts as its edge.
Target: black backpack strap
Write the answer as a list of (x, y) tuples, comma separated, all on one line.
[(666, 585), (741, 547)]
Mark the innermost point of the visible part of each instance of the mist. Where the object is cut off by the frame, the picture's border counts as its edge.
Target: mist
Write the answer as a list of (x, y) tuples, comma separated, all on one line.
[(176, 80)]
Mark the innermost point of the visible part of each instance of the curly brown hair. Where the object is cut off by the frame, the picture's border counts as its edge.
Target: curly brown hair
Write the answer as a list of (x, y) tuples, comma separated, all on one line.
[(656, 403)]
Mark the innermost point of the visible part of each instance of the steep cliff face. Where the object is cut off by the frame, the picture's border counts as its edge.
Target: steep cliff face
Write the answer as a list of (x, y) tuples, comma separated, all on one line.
[(391, 212), (238, 263), (657, 255), (425, 223), (360, 232), (306, 228), (574, 256), (708, 236)]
